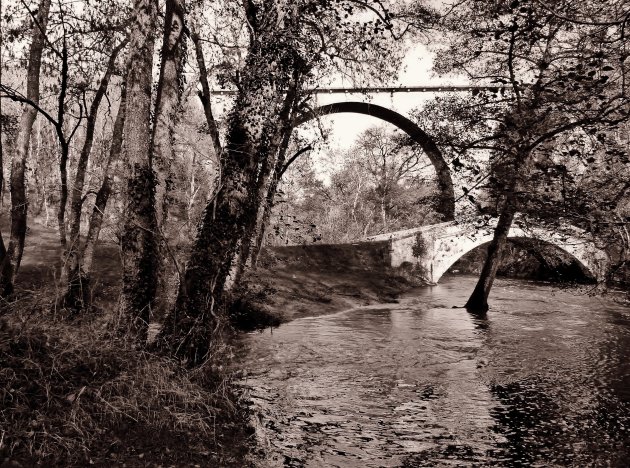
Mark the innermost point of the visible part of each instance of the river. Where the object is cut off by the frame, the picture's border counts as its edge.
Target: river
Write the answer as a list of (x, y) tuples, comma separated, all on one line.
[(544, 380)]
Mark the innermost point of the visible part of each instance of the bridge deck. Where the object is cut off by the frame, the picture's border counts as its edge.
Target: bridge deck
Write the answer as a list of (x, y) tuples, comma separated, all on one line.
[(385, 89)]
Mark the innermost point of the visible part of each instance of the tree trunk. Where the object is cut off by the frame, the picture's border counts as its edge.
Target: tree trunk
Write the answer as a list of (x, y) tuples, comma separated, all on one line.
[(281, 168), (205, 94), (478, 301), (196, 316), (264, 220), (3, 249), (166, 108), (167, 103), (19, 201), (276, 153), (64, 145), (139, 237), (76, 291), (104, 192), (255, 121), (263, 183)]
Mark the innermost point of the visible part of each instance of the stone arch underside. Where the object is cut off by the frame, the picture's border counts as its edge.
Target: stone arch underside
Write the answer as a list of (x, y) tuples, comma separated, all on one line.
[(448, 249), (446, 202)]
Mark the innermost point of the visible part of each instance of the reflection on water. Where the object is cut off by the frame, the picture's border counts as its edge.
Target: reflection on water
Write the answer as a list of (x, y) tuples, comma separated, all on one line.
[(544, 380)]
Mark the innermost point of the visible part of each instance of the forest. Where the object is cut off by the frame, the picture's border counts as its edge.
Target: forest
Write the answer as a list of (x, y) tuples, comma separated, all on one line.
[(154, 154)]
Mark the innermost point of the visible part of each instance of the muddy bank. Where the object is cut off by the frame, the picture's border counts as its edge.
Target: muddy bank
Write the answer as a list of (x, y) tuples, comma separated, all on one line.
[(295, 282)]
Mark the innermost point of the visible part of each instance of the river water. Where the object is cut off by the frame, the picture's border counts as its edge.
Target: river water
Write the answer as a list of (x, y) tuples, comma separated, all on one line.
[(544, 380)]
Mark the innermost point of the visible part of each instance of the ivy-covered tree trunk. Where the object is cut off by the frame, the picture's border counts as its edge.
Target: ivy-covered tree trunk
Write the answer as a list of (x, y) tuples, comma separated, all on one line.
[(139, 237), (198, 311), (19, 201), (514, 170), (166, 108), (197, 315), (281, 167), (77, 292), (167, 103), (263, 184), (280, 132)]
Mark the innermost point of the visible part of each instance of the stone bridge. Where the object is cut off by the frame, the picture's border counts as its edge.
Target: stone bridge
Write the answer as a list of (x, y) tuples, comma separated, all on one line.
[(434, 249)]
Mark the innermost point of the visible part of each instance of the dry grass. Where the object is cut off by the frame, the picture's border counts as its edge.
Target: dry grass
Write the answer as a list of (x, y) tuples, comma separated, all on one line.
[(73, 395)]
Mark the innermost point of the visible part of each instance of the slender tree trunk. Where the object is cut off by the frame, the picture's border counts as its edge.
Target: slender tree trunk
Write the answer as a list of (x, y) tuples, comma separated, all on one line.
[(262, 184), (3, 249), (281, 168), (139, 238), (276, 152), (478, 301), (64, 145), (167, 103), (166, 108), (104, 192), (19, 201), (205, 94), (76, 297)]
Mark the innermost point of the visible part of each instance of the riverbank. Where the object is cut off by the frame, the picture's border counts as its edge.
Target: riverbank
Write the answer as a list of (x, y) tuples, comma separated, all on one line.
[(296, 282)]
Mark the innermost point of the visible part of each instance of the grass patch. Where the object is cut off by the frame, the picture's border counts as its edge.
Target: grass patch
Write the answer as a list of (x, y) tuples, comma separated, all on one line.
[(71, 394)]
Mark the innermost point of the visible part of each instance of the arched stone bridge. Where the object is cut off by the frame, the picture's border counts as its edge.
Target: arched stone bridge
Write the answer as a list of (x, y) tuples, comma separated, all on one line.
[(434, 249)]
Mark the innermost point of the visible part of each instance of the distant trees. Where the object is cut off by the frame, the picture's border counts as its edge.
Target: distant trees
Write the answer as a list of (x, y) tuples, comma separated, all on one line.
[(382, 183), (71, 60)]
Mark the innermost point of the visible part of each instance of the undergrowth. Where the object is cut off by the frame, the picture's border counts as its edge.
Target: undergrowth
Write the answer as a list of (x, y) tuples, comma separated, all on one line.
[(71, 394)]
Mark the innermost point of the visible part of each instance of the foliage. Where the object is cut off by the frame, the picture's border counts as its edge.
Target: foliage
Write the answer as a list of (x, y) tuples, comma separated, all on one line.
[(419, 247)]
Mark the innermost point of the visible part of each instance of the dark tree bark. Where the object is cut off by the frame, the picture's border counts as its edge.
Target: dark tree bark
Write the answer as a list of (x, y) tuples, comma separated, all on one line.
[(478, 300), (19, 201), (167, 104), (139, 238), (205, 94), (196, 315), (251, 142), (3, 249), (281, 134), (64, 145), (262, 183), (76, 290)]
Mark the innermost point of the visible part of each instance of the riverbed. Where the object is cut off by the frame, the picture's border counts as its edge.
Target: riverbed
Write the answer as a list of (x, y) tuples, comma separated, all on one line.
[(543, 380)]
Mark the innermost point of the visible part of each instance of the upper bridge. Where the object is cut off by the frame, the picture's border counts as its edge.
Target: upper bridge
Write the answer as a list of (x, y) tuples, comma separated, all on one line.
[(434, 249), (358, 100), (385, 89)]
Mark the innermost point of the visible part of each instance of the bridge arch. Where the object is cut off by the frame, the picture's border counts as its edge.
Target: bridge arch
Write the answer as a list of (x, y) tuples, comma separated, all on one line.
[(436, 248), (446, 201), (448, 249)]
